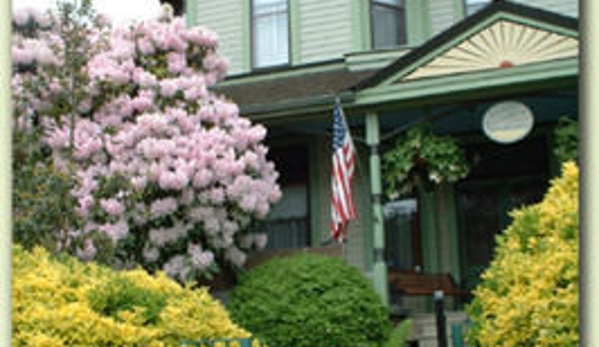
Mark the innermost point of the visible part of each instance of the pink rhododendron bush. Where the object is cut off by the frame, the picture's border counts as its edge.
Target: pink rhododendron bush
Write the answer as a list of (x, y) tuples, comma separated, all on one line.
[(166, 174)]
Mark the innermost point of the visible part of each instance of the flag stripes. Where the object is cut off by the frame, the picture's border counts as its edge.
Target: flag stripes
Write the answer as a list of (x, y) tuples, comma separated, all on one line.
[(343, 208)]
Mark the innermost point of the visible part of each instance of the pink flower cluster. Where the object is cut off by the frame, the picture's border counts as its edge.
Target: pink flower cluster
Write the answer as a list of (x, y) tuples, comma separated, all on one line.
[(189, 162)]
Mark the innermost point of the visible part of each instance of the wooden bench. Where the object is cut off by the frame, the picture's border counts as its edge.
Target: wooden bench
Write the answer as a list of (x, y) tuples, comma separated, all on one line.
[(419, 283)]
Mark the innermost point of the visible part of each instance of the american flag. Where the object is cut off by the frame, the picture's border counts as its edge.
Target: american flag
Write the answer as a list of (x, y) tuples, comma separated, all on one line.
[(342, 203)]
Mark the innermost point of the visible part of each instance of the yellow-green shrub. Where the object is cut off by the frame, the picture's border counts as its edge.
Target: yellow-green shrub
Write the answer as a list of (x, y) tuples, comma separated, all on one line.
[(59, 301), (529, 294)]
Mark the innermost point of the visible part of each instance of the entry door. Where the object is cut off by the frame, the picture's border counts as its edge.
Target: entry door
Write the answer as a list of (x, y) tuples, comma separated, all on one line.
[(484, 213), (502, 177)]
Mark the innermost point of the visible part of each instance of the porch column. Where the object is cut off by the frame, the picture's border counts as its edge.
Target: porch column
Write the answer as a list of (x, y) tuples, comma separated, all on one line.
[(379, 269)]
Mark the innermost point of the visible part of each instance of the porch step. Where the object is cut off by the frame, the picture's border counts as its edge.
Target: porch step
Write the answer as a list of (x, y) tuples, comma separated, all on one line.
[(425, 328)]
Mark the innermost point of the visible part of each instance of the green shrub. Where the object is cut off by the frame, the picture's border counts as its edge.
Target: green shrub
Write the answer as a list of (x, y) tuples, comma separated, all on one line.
[(59, 301), (310, 300), (529, 294), (42, 204), (400, 334), (566, 140)]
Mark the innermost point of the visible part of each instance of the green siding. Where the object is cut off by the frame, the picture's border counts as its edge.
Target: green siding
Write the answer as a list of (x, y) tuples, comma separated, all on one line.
[(226, 19), (295, 31), (326, 29), (245, 64), (442, 14), (358, 242), (191, 12), (418, 21), (459, 9), (564, 7), (361, 25)]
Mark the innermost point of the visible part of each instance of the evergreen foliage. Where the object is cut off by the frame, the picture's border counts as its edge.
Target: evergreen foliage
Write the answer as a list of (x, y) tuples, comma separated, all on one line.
[(529, 294), (310, 300), (60, 302)]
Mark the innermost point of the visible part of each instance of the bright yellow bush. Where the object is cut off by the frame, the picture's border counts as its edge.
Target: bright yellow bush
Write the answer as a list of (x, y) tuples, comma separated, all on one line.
[(529, 294), (59, 301)]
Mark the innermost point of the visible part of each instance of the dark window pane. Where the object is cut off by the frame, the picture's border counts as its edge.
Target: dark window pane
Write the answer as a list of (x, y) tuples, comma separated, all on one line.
[(388, 25), (288, 223), (401, 234)]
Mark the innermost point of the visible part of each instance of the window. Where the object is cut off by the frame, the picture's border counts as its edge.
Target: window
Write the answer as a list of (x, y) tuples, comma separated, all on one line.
[(388, 19), (402, 234), (270, 33), (472, 6)]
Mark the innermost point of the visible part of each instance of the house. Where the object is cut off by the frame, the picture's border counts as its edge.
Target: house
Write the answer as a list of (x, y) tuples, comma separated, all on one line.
[(471, 68)]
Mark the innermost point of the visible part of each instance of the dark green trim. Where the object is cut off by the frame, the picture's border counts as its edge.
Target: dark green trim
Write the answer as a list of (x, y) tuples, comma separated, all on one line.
[(426, 208), (367, 216), (450, 220)]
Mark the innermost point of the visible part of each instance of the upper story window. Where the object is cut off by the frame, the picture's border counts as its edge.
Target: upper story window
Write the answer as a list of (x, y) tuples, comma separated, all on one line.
[(472, 6), (270, 33), (388, 19)]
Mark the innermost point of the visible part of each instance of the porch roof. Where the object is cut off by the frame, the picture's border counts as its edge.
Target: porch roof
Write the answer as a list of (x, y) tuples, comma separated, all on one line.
[(282, 92)]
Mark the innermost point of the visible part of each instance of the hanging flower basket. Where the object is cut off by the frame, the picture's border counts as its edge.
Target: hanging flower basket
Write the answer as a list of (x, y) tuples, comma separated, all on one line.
[(420, 158)]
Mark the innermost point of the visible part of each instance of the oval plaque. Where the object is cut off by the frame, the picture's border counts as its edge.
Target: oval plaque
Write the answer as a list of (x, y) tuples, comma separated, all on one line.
[(508, 122)]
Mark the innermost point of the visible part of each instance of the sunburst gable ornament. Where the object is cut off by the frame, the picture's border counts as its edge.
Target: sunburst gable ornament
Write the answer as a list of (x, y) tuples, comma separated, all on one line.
[(502, 44)]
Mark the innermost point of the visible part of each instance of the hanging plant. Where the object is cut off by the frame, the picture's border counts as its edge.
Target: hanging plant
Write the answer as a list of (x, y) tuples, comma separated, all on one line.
[(420, 158)]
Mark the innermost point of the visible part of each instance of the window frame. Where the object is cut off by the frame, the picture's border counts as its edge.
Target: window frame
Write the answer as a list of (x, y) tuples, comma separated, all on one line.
[(253, 40), (401, 11)]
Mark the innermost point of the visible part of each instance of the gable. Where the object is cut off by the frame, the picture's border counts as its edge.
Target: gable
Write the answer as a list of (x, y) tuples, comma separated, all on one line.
[(502, 44), (502, 35)]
